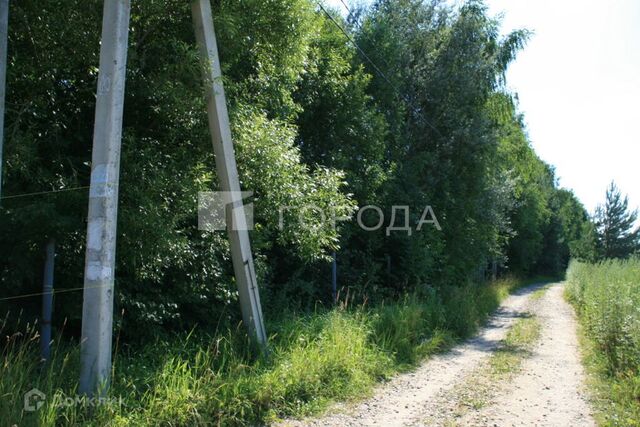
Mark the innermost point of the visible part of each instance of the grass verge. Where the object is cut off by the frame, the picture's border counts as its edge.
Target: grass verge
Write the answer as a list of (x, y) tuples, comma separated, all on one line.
[(216, 380), (606, 297)]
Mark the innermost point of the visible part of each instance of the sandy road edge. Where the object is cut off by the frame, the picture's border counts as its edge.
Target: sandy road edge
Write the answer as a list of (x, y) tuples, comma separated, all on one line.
[(402, 400), (550, 389)]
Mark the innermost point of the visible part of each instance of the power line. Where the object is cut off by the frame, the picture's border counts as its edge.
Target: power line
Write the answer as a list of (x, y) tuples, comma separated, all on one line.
[(346, 7), (362, 52), (355, 24), (54, 292), (369, 60), (41, 193)]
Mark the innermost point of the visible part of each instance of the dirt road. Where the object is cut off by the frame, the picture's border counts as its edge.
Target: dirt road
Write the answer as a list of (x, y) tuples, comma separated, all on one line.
[(547, 389)]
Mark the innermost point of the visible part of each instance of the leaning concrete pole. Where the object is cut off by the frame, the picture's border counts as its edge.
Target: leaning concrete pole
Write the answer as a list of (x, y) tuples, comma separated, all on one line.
[(97, 308), (4, 26), (227, 171)]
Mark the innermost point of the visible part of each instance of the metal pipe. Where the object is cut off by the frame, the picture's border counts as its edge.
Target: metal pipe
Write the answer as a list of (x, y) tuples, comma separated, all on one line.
[(334, 276), (47, 300)]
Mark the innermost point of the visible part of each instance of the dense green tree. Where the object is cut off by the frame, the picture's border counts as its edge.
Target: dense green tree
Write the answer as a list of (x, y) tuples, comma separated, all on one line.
[(416, 115), (615, 224), (567, 235), (443, 139), (168, 273), (578, 232)]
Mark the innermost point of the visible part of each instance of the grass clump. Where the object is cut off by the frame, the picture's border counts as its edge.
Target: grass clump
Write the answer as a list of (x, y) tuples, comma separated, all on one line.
[(204, 379), (537, 295), (516, 346), (483, 384), (607, 299)]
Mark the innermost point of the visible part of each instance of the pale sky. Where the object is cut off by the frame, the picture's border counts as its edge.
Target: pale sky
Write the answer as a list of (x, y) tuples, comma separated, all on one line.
[(578, 82)]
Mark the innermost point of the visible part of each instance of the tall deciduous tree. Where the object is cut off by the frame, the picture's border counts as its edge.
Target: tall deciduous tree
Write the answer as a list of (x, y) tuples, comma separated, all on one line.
[(418, 115)]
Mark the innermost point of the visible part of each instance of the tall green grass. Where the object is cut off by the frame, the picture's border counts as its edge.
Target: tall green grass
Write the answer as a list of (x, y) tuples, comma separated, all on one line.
[(201, 379), (607, 300)]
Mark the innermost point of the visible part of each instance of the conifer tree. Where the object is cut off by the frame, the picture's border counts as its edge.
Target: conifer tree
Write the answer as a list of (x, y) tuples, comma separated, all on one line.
[(614, 223)]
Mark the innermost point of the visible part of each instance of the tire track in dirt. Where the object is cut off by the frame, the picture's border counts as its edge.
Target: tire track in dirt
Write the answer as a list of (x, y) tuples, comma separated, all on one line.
[(549, 390)]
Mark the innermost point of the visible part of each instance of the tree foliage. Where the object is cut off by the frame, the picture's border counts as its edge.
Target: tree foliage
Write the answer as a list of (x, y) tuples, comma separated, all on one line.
[(615, 222), (423, 120)]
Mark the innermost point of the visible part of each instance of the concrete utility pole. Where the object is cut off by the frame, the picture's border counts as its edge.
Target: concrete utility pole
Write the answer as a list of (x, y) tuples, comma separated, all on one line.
[(97, 309), (4, 27), (47, 300), (227, 170)]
